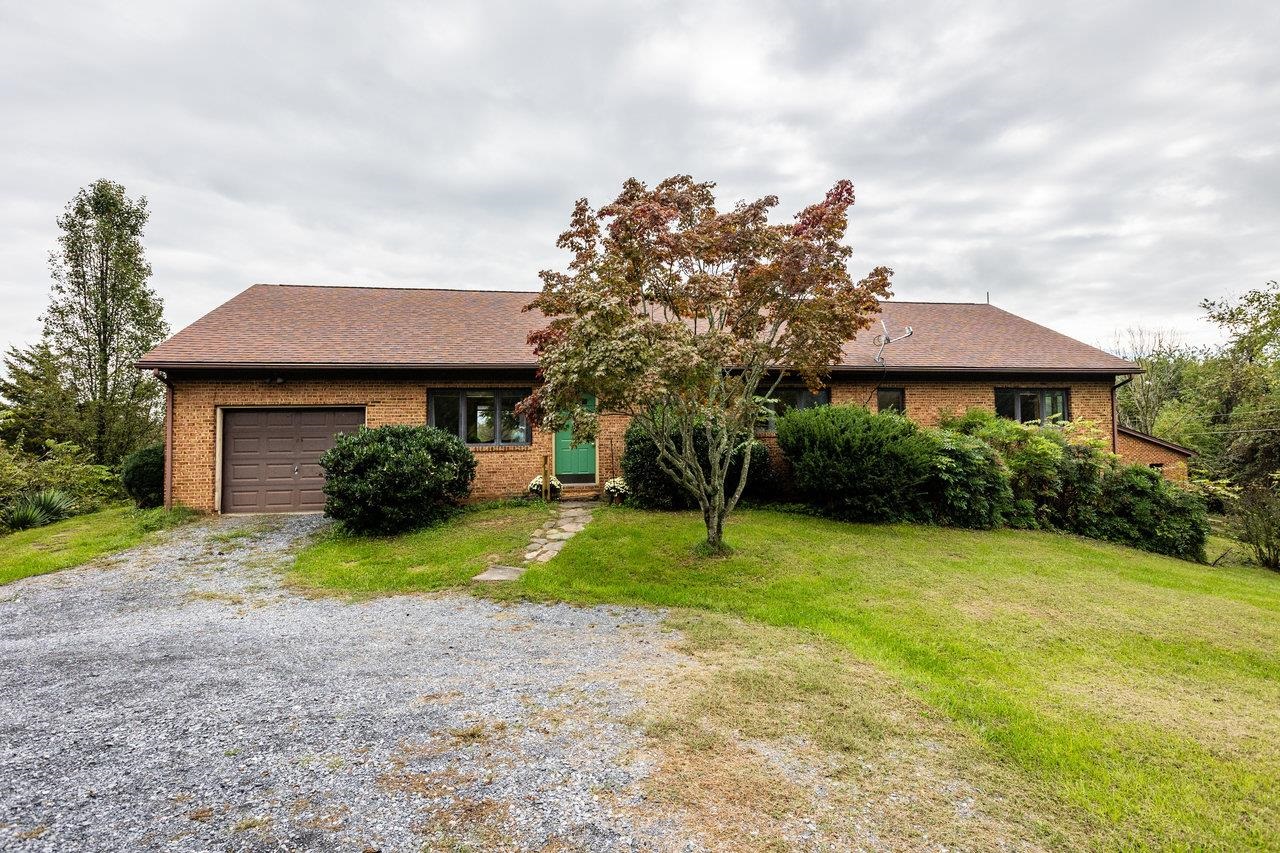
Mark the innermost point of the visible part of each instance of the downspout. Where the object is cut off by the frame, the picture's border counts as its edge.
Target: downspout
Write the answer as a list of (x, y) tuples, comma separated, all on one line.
[(1115, 417), (168, 437)]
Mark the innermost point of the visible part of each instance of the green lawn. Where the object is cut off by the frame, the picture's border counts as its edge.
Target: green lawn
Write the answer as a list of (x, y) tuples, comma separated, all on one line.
[(1139, 694), (79, 539), (444, 555)]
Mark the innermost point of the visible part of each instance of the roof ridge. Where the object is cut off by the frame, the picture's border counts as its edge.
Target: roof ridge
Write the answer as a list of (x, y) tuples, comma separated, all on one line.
[(391, 287), (513, 290)]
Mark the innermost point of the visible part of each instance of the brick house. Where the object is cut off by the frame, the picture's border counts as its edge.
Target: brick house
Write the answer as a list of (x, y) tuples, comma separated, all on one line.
[(1142, 449), (257, 388)]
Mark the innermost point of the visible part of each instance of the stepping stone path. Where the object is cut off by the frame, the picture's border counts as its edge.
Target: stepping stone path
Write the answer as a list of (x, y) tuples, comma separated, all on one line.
[(546, 542)]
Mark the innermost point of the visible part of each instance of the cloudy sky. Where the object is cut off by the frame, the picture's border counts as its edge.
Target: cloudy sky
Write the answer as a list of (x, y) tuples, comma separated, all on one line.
[(1091, 165)]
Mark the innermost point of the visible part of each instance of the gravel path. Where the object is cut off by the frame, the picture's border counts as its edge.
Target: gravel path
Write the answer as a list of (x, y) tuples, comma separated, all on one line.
[(175, 697)]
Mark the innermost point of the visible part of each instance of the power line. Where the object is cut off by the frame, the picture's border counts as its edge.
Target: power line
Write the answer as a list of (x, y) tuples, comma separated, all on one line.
[(1237, 431)]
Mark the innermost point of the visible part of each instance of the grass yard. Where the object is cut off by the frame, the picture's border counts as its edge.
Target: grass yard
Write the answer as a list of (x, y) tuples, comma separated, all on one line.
[(447, 554), (1127, 699), (80, 539)]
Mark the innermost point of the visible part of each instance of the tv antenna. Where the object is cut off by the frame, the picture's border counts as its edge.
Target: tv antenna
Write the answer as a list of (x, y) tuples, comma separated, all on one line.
[(883, 340)]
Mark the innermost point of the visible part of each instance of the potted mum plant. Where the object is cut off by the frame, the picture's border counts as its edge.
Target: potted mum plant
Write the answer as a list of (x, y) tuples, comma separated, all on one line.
[(535, 487)]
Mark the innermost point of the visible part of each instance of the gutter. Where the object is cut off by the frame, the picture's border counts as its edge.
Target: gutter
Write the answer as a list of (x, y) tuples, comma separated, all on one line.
[(168, 437), (1115, 416), (838, 368), (323, 365)]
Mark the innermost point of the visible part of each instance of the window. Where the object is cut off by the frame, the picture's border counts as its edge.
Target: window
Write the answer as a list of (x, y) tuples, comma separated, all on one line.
[(891, 400), (481, 415), (788, 397), (1032, 405)]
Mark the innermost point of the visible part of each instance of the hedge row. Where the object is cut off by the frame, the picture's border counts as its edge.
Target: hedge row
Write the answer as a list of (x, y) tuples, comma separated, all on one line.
[(982, 471)]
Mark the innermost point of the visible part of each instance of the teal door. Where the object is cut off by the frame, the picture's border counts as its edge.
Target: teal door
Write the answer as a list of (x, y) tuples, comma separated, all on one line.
[(575, 463)]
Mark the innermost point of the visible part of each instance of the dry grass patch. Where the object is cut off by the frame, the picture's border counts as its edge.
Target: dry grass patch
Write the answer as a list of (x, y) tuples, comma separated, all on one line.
[(248, 530), (778, 739), (450, 819), (252, 822), (213, 595), (1232, 721), (327, 819)]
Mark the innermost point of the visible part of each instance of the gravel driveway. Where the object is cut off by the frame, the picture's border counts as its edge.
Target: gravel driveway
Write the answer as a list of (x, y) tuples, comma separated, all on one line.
[(175, 697)]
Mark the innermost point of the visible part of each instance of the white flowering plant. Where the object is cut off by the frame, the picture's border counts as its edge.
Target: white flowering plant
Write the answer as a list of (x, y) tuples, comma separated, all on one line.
[(616, 490), (535, 487)]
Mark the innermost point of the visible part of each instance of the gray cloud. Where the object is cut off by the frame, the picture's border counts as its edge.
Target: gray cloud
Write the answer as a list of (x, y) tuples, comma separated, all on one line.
[(1091, 166)]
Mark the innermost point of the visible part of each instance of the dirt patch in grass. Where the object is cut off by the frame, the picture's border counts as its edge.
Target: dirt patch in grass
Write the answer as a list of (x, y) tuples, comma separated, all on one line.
[(776, 739)]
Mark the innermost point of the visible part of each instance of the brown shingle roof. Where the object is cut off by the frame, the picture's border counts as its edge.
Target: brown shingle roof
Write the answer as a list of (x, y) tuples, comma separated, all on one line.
[(272, 325), (975, 336), (1159, 442)]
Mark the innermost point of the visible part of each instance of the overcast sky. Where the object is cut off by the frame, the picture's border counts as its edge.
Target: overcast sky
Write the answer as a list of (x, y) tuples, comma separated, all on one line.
[(1093, 166)]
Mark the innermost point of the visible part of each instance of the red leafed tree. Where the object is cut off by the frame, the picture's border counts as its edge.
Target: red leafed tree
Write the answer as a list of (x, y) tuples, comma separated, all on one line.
[(685, 318)]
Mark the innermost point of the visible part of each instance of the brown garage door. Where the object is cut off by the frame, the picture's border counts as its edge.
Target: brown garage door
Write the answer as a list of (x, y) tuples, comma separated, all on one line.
[(270, 457)]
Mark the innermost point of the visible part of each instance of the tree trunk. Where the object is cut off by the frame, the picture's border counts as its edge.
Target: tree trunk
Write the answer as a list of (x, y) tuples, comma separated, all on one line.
[(713, 516)]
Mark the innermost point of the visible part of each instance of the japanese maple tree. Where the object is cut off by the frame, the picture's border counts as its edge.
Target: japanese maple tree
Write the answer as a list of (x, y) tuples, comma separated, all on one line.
[(685, 318)]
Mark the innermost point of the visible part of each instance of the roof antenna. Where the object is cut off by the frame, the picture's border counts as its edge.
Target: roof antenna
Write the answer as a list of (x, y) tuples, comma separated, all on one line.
[(988, 297), (885, 339)]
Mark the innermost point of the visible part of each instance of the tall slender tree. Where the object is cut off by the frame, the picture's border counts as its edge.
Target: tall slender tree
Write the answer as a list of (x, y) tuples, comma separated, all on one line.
[(103, 316)]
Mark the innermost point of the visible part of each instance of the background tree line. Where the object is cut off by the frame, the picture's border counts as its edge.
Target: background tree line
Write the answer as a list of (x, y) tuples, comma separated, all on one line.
[(1222, 401)]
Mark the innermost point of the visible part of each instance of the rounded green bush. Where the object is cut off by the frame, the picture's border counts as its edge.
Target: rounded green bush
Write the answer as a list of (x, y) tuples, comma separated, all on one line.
[(851, 464), (142, 473), (395, 478), (650, 487)]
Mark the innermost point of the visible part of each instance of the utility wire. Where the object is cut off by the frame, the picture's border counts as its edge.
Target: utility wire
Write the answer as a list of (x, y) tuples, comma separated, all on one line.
[(1237, 431)]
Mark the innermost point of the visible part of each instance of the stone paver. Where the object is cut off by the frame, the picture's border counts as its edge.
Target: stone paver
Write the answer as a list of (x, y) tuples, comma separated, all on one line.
[(547, 540), (500, 573)]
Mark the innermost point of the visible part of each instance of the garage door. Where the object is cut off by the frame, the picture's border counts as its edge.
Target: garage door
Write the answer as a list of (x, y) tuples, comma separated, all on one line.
[(270, 457)]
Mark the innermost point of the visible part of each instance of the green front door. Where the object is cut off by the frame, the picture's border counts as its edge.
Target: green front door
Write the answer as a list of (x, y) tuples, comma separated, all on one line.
[(575, 463)]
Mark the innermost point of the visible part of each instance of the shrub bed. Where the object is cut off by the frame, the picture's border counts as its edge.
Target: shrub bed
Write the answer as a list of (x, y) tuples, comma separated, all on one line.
[(37, 490), (650, 487), (1138, 507), (396, 478), (980, 471), (1255, 520)]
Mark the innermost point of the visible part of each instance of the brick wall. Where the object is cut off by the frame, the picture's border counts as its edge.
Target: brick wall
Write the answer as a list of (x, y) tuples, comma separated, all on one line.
[(504, 471), (928, 399), (501, 471), (1141, 452)]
